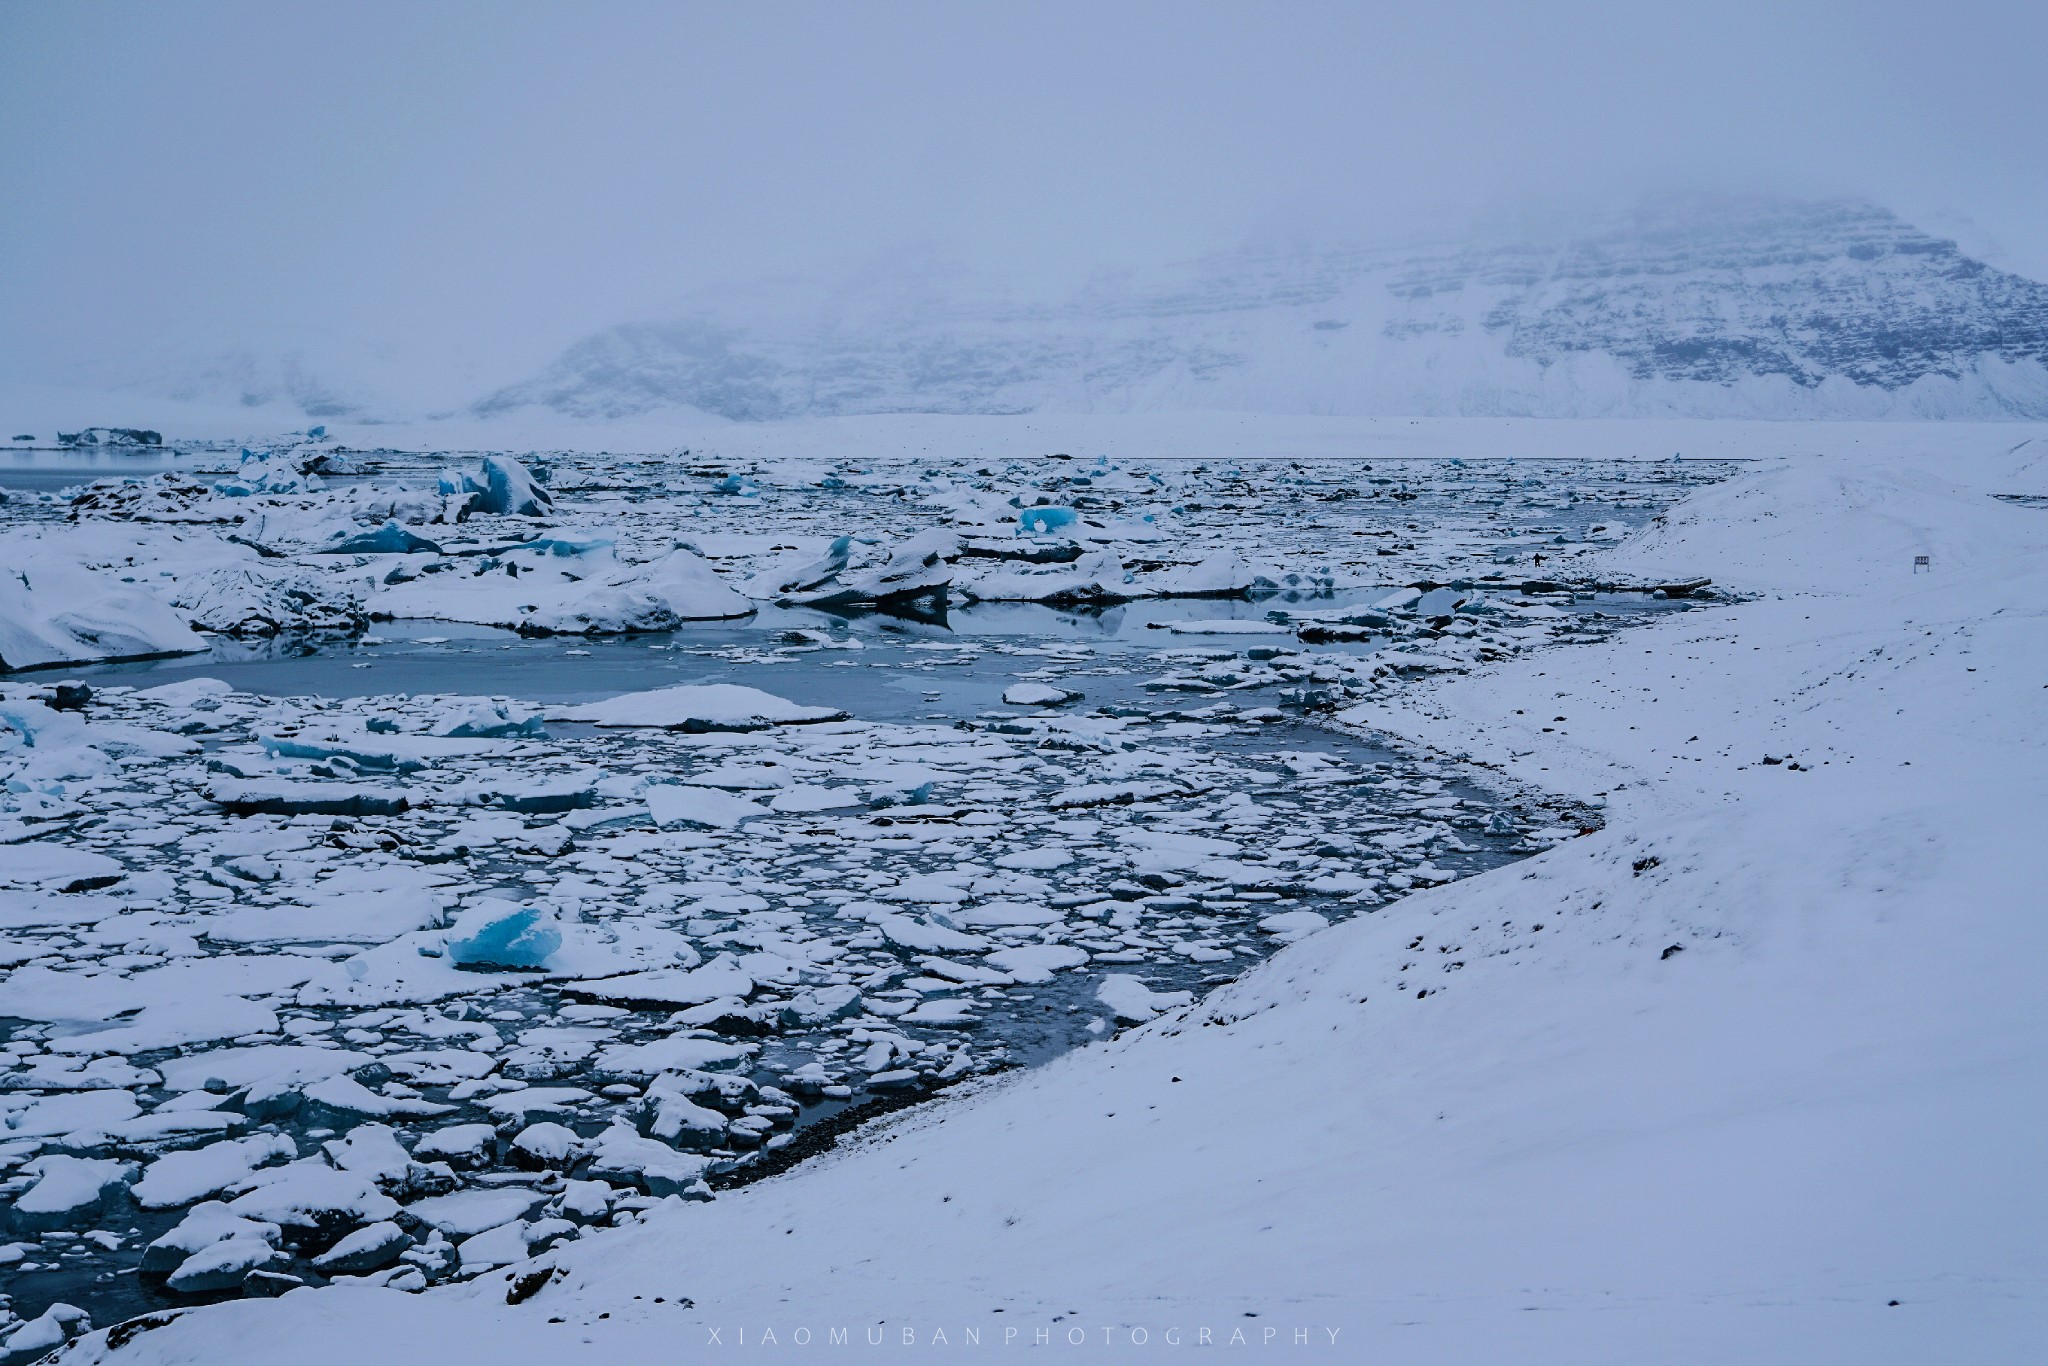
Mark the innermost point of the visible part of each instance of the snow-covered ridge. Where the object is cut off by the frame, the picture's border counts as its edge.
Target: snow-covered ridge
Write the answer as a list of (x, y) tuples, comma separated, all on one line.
[(1749, 308)]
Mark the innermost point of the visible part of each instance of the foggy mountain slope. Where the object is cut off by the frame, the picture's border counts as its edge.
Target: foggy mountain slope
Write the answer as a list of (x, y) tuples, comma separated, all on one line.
[(1752, 308)]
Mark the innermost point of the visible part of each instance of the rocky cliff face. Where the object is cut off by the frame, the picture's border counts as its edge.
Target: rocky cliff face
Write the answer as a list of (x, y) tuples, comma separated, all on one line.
[(1806, 293), (1752, 309)]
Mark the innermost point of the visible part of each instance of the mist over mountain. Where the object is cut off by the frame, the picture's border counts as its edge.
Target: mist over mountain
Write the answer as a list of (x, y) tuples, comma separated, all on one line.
[(1756, 308), (1693, 307), (773, 212)]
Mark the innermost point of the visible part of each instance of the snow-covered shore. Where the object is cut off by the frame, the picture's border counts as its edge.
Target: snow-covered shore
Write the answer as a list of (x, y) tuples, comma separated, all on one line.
[(1446, 1134)]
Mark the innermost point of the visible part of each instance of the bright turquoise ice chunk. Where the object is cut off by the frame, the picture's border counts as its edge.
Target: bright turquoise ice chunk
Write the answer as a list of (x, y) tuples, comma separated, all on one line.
[(1046, 518), (503, 936)]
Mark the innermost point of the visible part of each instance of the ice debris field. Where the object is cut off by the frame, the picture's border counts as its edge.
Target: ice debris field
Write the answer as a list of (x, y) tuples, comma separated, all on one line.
[(415, 864), (408, 987)]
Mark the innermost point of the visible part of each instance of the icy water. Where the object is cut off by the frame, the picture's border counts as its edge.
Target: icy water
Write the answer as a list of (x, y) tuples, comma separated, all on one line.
[(1333, 794), (48, 471), (942, 886), (894, 667)]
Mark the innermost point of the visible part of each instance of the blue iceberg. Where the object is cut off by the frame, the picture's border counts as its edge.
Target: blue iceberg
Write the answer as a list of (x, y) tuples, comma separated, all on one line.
[(505, 488), (564, 547), (389, 539), (266, 472), (503, 936), (511, 491), (1047, 518)]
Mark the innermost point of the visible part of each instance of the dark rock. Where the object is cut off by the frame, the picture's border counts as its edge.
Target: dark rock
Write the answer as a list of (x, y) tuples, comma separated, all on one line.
[(110, 436), (526, 1284), (269, 1284), (121, 1334)]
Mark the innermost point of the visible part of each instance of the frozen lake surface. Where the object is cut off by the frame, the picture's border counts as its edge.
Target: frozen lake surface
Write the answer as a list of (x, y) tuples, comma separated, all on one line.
[(243, 1053)]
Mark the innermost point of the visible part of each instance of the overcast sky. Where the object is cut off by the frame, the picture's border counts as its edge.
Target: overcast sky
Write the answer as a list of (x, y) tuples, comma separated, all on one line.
[(483, 181)]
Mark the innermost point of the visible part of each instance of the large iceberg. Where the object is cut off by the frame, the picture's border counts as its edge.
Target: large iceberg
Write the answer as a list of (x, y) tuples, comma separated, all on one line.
[(503, 488), (799, 571), (55, 611), (388, 539), (539, 591), (266, 473), (1095, 577), (1223, 574), (266, 598), (920, 567)]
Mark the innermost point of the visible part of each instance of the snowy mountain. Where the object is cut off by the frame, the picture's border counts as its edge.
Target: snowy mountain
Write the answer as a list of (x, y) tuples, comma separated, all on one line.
[(1744, 308)]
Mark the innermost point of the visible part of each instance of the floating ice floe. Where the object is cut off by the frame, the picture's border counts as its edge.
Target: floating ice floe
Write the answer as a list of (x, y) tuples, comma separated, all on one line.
[(1225, 626), (380, 752), (1029, 694), (539, 593), (60, 868), (681, 804), (264, 598), (918, 568), (717, 980), (286, 797), (696, 708), (1037, 962), (347, 906), (493, 718), (1288, 926), (1098, 576), (1224, 574), (1131, 1000)]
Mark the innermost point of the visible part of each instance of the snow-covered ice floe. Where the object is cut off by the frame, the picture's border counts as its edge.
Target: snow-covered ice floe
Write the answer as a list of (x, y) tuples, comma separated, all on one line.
[(58, 612), (541, 592), (696, 708)]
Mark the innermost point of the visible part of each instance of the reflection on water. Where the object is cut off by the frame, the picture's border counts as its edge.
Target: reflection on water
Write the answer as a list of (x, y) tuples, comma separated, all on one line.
[(909, 653), (51, 471), (883, 679)]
